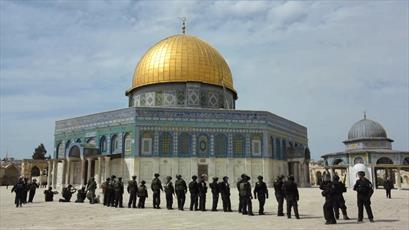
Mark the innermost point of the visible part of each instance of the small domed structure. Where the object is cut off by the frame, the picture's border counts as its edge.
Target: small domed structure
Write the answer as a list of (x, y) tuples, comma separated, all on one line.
[(365, 129)]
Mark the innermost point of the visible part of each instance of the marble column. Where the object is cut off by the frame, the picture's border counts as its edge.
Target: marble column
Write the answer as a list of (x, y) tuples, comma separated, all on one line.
[(107, 167), (64, 172), (98, 171), (49, 170), (89, 169), (55, 173), (68, 171), (83, 179), (398, 179)]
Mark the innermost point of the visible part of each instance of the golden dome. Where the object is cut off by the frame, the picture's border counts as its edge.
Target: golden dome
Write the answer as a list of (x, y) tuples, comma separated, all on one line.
[(182, 58)]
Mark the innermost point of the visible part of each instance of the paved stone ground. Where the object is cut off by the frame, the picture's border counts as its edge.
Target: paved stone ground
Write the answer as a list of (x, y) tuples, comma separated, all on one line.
[(389, 214)]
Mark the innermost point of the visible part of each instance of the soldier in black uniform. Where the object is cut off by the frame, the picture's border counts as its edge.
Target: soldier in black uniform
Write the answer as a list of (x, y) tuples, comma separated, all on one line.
[(388, 186), (238, 189), (106, 190), (202, 193), (194, 193), (132, 190), (245, 195), (19, 189), (214, 187), (26, 189), (143, 194), (32, 188), (181, 190), (279, 194), (91, 187), (291, 196), (261, 193), (364, 190), (339, 198), (49, 194), (329, 192), (119, 191), (156, 187), (67, 193), (111, 187), (224, 187), (81, 195), (170, 192)]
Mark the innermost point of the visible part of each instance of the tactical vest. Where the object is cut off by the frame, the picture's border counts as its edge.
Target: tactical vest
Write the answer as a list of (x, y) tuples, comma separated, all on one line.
[(243, 188), (179, 185), (156, 184)]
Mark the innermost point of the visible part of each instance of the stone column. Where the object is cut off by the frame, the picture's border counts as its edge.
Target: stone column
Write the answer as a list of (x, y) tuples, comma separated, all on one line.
[(49, 170), (67, 172), (107, 167), (98, 173), (89, 169), (398, 179), (55, 173), (83, 179)]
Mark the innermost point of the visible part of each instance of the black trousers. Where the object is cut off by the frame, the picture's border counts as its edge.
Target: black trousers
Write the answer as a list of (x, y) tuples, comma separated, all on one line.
[(169, 200), (132, 200), (247, 206), (107, 197), (226, 202), (156, 199), (388, 193), (340, 204), (118, 199), (261, 202), (194, 201), (280, 201), (19, 199), (141, 203), (240, 204), (24, 196), (215, 197), (111, 201), (181, 196), (292, 203), (328, 209), (367, 204), (202, 202), (31, 195)]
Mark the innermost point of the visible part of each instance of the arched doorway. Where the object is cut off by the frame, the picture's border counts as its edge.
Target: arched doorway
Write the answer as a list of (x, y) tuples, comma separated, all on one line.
[(74, 176), (384, 170), (35, 171)]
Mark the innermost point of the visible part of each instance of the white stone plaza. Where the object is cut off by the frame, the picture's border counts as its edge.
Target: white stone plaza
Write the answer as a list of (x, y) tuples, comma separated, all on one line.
[(389, 214)]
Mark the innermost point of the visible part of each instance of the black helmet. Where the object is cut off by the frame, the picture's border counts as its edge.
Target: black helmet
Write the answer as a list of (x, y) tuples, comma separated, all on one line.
[(133, 177), (156, 175), (260, 177), (291, 177), (194, 177), (169, 178), (225, 178), (143, 182), (336, 177), (178, 176), (361, 173), (215, 178), (243, 176)]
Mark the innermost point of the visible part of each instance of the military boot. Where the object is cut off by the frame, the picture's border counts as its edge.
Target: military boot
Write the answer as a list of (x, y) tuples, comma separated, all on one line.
[(346, 217)]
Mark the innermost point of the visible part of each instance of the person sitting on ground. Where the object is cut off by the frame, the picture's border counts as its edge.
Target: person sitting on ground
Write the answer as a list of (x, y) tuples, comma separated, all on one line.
[(49, 194)]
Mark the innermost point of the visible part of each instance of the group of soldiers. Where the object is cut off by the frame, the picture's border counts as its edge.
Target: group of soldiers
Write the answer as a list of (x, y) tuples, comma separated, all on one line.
[(113, 190), (334, 199), (21, 188)]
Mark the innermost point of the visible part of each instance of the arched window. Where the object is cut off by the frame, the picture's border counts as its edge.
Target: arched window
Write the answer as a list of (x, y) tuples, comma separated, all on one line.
[(278, 152), (239, 144), (202, 145), (78, 140), (256, 145), (127, 143), (35, 171), (59, 150), (103, 144), (184, 144), (220, 145), (146, 142), (165, 144), (67, 145), (359, 160), (74, 152), (384, 160), (114, 144)]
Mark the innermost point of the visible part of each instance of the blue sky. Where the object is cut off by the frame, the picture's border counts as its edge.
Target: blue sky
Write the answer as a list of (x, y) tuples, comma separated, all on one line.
[(320, 64)]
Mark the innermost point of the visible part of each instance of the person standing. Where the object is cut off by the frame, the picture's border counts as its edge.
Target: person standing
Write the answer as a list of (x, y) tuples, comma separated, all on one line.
[(156, 187), (291, 196), (364, 189), (106, 191), (91, 187), (19, 189), (339, 198), (111, 187), (279, 194), (32, 188), (181, 189), (261, 193), (328, 191), (238, 189), (26, 189), (246, 196), (388, 186), (194, 193), (143, 194), (214, 187), (170, 192), (202, 193), (132, 190), (225, 192), (119, 192)]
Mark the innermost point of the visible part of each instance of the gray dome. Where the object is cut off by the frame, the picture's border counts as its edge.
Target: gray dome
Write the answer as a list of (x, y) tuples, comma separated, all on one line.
[(366, 128)]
